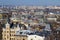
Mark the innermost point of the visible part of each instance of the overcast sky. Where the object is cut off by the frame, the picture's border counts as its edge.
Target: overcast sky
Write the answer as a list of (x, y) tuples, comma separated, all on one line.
[(30, 2)]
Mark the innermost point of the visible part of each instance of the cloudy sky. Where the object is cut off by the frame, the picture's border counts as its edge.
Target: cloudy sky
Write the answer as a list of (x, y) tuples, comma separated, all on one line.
[(30, 2)]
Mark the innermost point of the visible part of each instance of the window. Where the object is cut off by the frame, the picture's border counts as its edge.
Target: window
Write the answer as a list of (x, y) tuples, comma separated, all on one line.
[(7, 31), (21, 32), (11, 34), (12, 38), (23, 39), (31, 39), (12, 31), (4, 38)]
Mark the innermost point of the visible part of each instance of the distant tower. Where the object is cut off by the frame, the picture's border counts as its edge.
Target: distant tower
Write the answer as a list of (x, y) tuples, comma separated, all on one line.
[(7, 31)]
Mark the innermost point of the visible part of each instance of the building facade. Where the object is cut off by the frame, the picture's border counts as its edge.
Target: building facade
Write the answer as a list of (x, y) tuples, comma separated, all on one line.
[(9, 33)]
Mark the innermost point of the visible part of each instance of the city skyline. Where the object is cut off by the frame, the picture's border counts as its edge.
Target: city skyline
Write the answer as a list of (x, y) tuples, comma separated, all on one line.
[(30, 2)]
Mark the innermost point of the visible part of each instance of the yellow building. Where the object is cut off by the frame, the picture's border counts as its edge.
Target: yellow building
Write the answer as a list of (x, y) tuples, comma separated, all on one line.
[(9, 33)]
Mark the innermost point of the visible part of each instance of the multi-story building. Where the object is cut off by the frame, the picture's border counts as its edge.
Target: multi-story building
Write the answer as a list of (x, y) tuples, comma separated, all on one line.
[(28, 35), (18, 32), (9, 32)]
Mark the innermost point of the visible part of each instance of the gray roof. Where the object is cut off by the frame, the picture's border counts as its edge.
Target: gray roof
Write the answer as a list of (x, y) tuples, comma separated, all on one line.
[(47, 27), (23, 32)]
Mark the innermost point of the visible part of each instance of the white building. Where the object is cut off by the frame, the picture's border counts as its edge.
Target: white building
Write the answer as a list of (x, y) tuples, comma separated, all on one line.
[(35, 37), (51, 17)]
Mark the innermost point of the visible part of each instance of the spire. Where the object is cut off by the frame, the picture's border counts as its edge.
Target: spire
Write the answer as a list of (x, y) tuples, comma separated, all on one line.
[(18, 26), (7, 24)]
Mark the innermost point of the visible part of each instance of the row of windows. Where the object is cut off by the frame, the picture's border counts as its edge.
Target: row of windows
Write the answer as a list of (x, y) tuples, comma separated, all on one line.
[(12, 38), (10, 35), (9, 38), (20, 39), (10, 31)]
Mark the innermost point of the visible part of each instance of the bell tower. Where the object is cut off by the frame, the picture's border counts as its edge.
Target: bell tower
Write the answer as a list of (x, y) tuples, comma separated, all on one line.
[(7, 31)]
